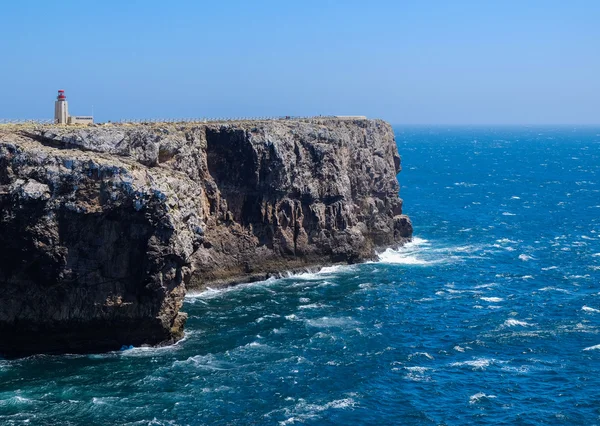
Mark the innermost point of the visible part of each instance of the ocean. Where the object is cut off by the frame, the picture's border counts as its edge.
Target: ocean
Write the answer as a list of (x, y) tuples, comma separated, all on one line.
[(491, 314)]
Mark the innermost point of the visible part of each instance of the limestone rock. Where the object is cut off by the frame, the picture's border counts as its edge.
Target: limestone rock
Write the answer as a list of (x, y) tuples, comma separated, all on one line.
[(102, 229)]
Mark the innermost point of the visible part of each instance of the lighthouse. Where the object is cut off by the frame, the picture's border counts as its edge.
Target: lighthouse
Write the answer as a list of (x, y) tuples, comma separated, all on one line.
[(61, 112), (61, 108)]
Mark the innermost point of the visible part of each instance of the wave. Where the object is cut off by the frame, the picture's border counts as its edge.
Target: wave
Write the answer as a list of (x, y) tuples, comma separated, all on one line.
[(592, 348), (304, 411), (474, 399), (562, 290), (420, 252), (330, 322), (16, 401), (492, 299), (513, 323), (308, 275), (420, 354), (588, 309), (477, 363)]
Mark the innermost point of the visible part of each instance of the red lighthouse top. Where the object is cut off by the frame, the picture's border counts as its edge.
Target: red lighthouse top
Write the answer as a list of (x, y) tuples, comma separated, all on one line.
[(61, 95)]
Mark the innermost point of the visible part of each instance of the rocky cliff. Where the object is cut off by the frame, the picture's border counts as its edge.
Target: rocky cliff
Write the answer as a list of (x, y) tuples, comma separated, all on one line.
[(103, 228)]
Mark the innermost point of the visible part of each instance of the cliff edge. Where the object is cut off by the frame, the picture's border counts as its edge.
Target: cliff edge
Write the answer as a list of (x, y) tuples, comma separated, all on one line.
[(103, 228)]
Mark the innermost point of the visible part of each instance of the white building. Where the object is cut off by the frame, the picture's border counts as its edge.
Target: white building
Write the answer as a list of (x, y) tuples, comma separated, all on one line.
[(61, 112)]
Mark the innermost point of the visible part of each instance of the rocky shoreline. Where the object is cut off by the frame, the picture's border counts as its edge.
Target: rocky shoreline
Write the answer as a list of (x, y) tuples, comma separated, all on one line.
[(103, 228)]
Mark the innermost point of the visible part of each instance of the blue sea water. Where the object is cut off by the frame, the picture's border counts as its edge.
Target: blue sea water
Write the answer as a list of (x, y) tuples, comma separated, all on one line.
[(491, 314)]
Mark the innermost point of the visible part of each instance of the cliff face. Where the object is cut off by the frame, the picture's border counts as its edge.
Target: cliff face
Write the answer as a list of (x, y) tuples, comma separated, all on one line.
[(103, 228)]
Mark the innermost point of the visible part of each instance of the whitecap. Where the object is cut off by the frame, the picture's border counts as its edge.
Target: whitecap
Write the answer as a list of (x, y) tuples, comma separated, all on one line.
[(417, 369), (514, 197), (549, 268), (329, 322), (16, 400), (475, 364), (592, 348), (505, 240), (203, 362), (313, 306), (525, 257), (265, 317), (485, 285), (417, 374), (508, 214), (474, 399), (416, 354), (303, 411), (511, 322), (562, 290), (588, 309), (492, 299)]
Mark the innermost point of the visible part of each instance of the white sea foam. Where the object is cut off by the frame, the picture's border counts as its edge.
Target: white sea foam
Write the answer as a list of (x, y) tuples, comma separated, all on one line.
[(508, 214), (313, 306), (417, 374), (417, 369), (549, 268), (588, 309), (474, 399), (577, 277), (525, 257), (16, 400), (476, 363), (329, 322), (420, 252), (514, 197), (489, 285), (400, 258), (420, 354), (492, 299), (211, 293), (203, 362), (303, 411), (511, 322), (562, 290), (592, 348), (318, 275), (326, 271), (505, 241)]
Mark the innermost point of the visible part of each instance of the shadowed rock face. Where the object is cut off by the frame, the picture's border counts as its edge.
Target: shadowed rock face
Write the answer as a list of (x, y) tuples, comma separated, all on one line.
[(103, 228)]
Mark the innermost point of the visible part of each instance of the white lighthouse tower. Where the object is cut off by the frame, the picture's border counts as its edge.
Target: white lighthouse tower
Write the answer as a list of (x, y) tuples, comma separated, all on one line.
[(61, 109), (61, 112)]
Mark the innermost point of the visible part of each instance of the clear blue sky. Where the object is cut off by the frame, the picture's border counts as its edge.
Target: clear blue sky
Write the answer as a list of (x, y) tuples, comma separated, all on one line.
[(409, 62)]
